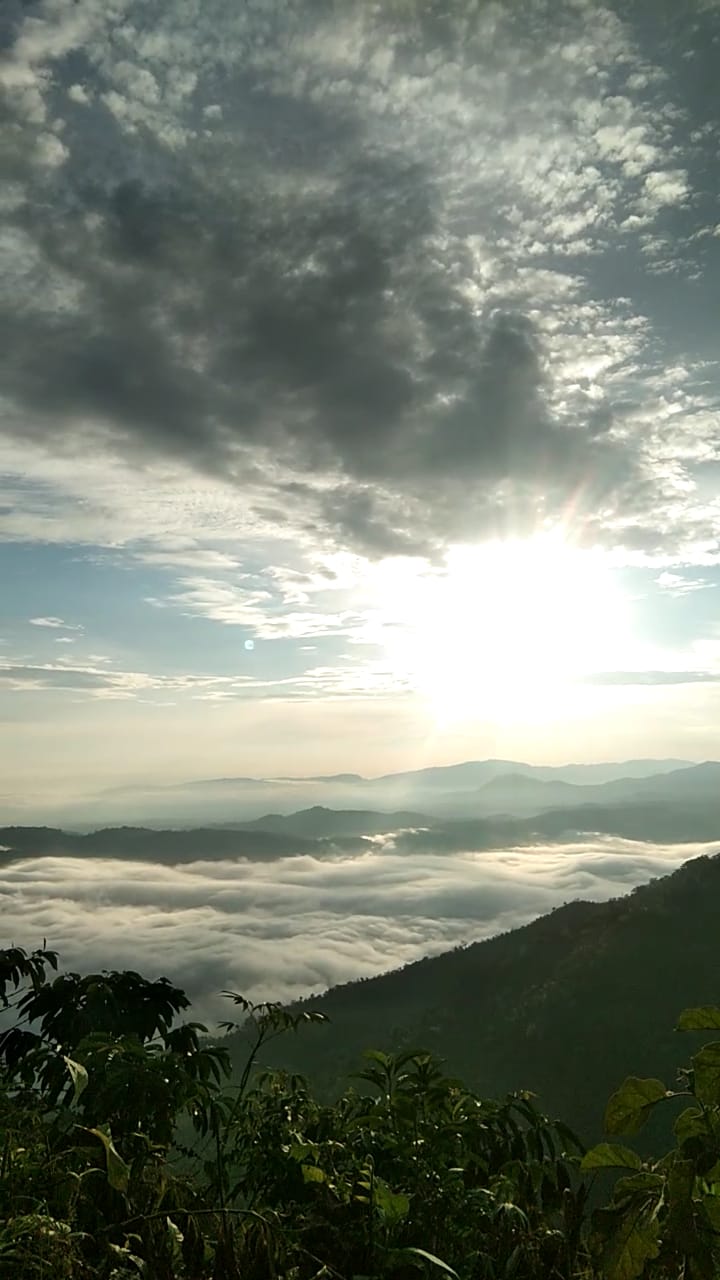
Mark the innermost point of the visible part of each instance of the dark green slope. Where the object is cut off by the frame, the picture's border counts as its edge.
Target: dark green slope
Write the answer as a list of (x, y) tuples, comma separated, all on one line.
[(147, 845), (319, 822), (311, 830), (566, 1006)]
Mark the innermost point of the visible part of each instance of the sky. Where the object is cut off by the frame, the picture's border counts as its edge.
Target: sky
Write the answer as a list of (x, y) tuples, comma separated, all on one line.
[(358, 386)]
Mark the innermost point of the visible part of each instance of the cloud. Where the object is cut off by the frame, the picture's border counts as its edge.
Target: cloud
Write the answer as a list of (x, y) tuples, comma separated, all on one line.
[(663, 188), (341, 265), (234, 605), (102, 682), (300, 924), (342, 679), (676, 584), (652, 677), (54, 624)]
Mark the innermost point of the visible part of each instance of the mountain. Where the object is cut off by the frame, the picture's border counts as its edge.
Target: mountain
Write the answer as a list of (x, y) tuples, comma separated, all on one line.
[(644, 820), (447, 791), (608, 772), (142, 844), (677, 784), (520, 793), (321, 822), (334, 777), (682, 811), (478, 772), (566, 1006)]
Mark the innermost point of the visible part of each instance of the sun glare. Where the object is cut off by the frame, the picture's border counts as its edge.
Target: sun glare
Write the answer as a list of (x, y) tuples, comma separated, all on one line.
[(507, 629)]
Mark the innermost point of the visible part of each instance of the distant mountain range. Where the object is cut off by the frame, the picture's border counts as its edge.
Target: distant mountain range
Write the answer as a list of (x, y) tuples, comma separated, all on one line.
[(475, 788), (680, 805), (519, 792), (566, 1006), (320, 822), (143, 844), (477, 772)]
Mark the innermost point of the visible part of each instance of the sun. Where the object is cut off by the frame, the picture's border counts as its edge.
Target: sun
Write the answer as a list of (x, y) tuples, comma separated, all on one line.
[(506, 628)]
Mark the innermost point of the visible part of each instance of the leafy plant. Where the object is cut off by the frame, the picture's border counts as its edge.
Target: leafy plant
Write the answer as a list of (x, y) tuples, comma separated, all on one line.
[(128, 1151), (664, 1217)]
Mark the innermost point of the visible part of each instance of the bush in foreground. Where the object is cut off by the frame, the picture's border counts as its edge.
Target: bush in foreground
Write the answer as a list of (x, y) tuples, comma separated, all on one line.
[(128, 1151)]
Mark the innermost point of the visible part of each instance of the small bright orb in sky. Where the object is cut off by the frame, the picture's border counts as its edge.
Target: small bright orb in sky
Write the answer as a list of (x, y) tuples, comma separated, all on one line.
[(249, 645), (506, 629)]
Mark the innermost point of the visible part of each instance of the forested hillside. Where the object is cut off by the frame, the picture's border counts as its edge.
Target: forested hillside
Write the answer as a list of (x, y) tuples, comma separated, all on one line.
[(564, 1006), (127, 1151)]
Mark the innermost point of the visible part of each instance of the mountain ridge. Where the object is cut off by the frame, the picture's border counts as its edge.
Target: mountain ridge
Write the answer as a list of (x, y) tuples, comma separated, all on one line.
[(442, 790), (566, 1006)]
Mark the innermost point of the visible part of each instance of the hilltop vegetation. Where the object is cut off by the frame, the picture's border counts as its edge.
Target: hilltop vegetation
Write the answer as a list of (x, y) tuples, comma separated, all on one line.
[(407, 1174), (564, 1006), (427, 1128)]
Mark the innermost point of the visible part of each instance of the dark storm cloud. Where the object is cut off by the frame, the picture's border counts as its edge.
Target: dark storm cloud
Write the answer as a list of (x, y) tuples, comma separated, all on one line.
[(290, 289), (293, 302)]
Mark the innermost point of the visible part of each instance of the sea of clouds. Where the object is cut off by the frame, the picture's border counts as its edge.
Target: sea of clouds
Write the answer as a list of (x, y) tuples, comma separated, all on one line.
[(297, 925)]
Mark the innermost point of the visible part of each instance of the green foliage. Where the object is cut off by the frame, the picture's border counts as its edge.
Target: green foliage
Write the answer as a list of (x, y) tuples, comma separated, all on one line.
[(664, 1218), (567, 1006), (606, 1155), (407, 1174), (17, 966), (127, 1151), (706, 1018), (630, 1107)]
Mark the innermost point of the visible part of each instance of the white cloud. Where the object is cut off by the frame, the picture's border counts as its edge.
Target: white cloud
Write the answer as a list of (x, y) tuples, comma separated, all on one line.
[(664, 187), (675, 584), (78, 93), (101, 682), (318, 288), (54, 624), (526, 145), (258, 609), (287, 928)]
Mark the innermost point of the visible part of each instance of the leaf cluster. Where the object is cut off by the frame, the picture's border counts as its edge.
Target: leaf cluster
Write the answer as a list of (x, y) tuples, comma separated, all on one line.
[(129, 1149)]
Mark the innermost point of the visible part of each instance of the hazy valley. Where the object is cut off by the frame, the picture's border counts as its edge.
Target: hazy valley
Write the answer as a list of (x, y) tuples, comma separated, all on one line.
[(475, 850)]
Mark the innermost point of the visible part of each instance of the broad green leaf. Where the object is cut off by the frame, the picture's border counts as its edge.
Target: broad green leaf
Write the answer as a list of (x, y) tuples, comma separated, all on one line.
[(608, 1155), (394, 1206), (705, 1017), (691, 1123), (118, 1173), (634, 1241), (78, 1075), (706, 1068), (570, 1139), (301, 1150), (376, 1055), (436, 1262), (634, 1182), (311, 1173), (630, 1106)]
